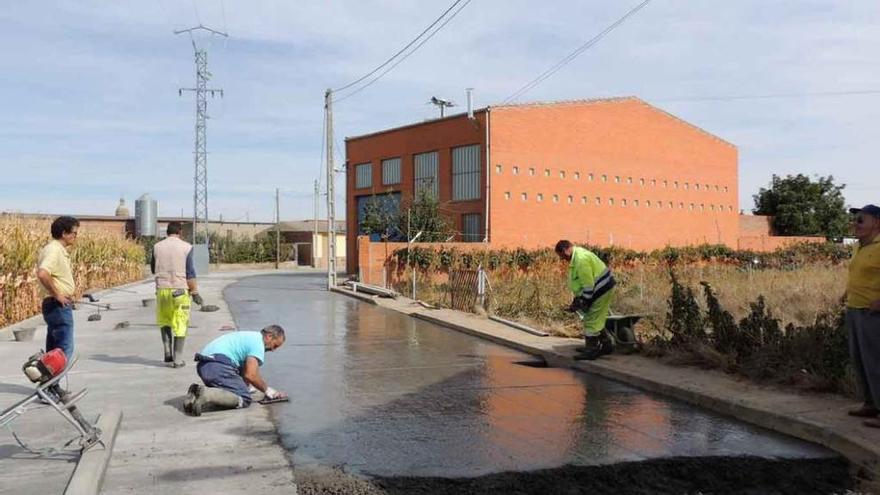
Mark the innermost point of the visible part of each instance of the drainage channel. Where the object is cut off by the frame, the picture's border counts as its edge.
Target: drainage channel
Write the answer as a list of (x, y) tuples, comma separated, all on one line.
[(383, 403)]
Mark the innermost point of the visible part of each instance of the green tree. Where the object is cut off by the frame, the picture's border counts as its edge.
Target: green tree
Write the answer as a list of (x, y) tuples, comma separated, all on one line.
[(423, 214), (379, 217), (801, 206)]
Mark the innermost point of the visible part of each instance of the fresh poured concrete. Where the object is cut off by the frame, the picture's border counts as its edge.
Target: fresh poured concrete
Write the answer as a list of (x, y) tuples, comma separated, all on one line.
[(382, 397)]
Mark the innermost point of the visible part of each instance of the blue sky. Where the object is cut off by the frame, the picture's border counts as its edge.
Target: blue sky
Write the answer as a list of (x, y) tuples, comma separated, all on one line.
[(91, 110)]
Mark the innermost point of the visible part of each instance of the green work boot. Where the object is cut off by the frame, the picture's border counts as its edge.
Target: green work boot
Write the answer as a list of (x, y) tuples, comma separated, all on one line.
[(166, 344), (178, 361), (216, 397), (191, 395)]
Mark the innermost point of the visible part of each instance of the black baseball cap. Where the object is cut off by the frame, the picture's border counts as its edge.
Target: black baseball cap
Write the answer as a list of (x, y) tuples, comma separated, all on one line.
[(872, 210)]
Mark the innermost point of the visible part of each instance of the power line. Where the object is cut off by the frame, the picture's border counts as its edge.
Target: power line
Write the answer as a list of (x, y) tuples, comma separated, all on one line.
[(586, 46), (401, 59), (196, 8), (399, 51), (773, 96)]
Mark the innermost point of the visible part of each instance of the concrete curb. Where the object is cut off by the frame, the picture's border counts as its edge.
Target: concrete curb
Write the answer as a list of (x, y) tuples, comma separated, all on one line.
[(361, 297), (858, 450), (88, 477)]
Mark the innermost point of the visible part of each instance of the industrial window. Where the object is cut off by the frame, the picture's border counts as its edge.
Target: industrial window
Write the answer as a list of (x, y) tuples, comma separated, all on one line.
[(546, 172), (426, 172), (470, 227), (562, 174), (363, 175), (539, 197), (642, 182), (692, 207), (555, 198), (577, 176), (623, 202), (665, 183), (590, 177), (532, 171), (636, 203), (391, 171), (716, 188), (515, 170), (524, 196), (680, 206), (697, 186), (611, 201), (629, 180), (686, 186), (598, 200), (725, 188), (702, 207), (712, 207), (583, 200), (466, 172), (670, 205), (653, 182), (729, 208), (570, 199), (604, 178), (507, 195), (648, 203), (497, 169), (617, 179), (675, 184)]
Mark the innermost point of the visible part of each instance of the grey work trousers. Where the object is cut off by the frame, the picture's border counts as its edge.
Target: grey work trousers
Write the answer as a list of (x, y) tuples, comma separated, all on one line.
[(864, 350)]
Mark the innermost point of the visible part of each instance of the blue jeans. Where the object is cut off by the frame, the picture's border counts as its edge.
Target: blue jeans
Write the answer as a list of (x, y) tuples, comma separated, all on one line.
[(219, 371), (59, 319)]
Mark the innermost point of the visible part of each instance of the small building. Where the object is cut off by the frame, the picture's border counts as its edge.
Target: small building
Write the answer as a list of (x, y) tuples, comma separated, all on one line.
[(614, 171), (310, 243)]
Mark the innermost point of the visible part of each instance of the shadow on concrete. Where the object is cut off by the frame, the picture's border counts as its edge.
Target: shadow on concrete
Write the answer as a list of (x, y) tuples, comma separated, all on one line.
[(12, 388), (14, 451), (127, 360), (176, 403), (212, 472)]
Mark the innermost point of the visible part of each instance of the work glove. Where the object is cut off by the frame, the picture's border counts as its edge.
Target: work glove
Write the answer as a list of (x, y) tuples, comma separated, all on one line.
[(271, 393), (197, 298), (578, 304)]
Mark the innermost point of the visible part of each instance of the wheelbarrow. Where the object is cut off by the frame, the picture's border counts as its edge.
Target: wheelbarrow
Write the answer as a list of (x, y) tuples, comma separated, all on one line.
[(621, 330)]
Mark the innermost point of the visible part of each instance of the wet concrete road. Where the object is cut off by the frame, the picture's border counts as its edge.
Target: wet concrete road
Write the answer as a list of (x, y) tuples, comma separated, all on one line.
[(379, 394)]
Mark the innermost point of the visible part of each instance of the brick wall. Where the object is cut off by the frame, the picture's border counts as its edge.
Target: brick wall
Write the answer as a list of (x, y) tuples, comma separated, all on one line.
[(439, 135), (608, 172), (374, 258)]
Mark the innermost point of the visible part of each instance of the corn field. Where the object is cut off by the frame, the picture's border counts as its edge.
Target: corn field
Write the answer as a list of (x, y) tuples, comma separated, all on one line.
[(99, 260)]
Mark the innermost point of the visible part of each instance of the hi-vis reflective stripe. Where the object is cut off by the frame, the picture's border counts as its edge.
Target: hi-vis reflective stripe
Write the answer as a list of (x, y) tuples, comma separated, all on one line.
[(602, 285)]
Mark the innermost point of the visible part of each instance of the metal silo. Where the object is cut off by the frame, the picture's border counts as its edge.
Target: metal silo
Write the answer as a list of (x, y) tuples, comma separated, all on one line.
[(145, 217)]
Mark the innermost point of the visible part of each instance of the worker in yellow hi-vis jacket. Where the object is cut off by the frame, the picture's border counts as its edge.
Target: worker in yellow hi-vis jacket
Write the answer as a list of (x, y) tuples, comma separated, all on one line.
[(176, 289), (592, 284)]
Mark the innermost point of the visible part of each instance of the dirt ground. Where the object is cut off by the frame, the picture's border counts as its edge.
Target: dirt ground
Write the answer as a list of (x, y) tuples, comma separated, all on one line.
[(715, 475)]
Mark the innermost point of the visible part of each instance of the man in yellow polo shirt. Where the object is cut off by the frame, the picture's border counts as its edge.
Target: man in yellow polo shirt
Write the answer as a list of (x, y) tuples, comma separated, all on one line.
[(56, 277), (863, 310)]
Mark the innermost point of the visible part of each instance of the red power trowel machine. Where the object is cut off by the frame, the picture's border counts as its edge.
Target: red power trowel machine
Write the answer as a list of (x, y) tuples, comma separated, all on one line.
[(46, 369), (44, 366)]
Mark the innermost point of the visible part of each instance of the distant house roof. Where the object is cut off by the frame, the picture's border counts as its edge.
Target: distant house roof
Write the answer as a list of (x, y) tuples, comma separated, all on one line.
[(309, 226)]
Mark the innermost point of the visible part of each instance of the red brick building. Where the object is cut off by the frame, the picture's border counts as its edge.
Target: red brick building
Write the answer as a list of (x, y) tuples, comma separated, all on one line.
[(610, 171)]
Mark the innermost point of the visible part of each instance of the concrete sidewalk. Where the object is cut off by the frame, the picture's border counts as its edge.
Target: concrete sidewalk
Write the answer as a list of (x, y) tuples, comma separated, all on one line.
[(159, 449), (818, 418)]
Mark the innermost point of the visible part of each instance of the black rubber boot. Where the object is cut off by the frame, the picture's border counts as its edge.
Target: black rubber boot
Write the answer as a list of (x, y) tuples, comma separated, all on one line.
[(191, 395), (595, 347), (178, 352), (166, 344)]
